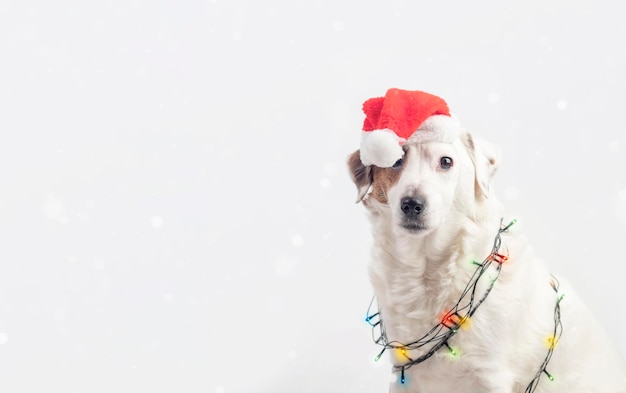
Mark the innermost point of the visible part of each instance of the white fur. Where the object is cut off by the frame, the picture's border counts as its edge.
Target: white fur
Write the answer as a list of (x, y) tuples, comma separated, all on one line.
[(420, 274)]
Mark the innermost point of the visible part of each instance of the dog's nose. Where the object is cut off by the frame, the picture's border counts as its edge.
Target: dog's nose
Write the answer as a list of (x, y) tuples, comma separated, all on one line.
[(411, 206)]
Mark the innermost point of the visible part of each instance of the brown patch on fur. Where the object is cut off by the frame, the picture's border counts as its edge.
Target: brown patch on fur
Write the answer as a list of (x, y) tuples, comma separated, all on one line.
[(384, 179), (360, 174), (380, 179)]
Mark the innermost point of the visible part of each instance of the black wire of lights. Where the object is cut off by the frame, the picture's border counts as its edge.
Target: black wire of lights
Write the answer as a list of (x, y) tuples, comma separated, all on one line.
[(552, 340), (458, 315)]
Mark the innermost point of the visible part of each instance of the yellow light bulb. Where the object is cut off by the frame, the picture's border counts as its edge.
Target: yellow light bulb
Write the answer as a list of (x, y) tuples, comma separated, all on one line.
[(551, 342), (402, 354)]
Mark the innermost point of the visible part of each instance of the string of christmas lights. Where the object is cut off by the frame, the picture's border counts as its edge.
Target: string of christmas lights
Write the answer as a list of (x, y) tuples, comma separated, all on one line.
[(552, 340), (452, 320)]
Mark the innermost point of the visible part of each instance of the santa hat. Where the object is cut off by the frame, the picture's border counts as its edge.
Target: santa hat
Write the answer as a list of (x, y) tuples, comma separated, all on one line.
[(402, 116)]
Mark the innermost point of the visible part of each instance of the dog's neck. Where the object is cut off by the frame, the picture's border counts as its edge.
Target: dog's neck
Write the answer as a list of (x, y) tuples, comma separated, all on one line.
[(416, 277)]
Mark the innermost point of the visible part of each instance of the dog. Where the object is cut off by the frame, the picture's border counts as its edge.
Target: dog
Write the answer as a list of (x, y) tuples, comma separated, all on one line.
[(435, 221)]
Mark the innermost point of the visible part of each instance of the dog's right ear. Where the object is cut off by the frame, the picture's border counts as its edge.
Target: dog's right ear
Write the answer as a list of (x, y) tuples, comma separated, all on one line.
[(361, 175), (486, 158)]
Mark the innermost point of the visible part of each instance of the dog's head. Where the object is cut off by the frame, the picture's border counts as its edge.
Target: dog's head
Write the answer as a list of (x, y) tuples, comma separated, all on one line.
[(431, 181)]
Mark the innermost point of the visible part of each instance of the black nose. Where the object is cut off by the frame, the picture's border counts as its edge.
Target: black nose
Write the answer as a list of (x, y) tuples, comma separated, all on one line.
[(411, 207)]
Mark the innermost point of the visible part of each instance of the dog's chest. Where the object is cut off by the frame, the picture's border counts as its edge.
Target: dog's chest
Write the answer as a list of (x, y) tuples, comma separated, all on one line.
[(438, 374), (412, 303)]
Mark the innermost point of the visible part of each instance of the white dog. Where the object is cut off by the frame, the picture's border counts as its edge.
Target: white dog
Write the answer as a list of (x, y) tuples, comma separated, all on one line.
[(458, 286)]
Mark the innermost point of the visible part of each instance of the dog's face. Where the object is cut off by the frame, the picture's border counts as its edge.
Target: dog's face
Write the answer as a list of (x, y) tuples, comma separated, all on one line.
[(430, 182)]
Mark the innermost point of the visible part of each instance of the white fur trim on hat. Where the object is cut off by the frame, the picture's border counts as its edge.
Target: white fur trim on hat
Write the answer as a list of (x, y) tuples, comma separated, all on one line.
[(437, 128), (381, 148)]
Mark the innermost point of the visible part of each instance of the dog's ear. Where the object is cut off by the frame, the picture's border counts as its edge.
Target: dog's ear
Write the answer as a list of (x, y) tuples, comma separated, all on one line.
[(361, 175), (486, 158)]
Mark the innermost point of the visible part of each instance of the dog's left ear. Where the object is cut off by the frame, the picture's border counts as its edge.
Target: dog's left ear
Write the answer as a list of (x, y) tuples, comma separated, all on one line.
[(361, 175), (486, 158)]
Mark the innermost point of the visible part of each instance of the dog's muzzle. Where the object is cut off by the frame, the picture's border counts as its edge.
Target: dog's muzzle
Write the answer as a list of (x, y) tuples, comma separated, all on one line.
[(412, 208)]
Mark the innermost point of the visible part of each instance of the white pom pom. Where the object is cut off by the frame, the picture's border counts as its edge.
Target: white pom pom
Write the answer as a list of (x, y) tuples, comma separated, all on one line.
[(381, 148)]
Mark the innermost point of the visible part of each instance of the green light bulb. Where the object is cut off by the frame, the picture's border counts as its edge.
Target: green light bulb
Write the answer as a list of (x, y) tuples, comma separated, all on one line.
[(550, 377)]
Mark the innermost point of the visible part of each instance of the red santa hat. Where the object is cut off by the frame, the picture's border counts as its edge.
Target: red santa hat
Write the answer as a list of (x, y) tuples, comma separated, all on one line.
[(402, 116)]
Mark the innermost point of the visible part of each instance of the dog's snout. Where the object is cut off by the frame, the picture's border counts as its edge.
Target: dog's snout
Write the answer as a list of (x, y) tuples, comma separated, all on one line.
[(411, 206)]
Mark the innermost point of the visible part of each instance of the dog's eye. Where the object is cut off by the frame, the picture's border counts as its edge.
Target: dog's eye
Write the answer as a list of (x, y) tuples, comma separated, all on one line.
[(446, 162), (397, 164)]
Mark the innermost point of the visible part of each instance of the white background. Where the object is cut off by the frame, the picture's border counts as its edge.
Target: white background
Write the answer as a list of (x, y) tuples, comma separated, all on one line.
[(175, 211)]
